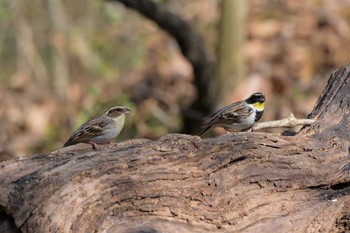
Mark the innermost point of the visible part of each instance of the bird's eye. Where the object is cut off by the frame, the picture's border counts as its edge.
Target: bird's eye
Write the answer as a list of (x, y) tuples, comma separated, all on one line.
[(119, 109)]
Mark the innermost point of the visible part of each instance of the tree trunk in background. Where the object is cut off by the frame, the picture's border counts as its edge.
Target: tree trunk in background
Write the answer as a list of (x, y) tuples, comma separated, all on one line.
[(59, 42), (30, 56), (231, 66), (246, 182), (193, 49)]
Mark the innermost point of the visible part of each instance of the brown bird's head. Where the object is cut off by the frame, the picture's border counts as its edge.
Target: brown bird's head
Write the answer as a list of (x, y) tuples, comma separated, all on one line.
[(117, 111)]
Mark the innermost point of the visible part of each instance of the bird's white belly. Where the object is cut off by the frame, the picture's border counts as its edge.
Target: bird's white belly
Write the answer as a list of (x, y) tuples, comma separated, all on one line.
[(105, 137), (109, 134), (244, 124)]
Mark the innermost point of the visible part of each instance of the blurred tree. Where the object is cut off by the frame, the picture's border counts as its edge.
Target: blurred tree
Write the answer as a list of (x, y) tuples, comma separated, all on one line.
[(59, 44), (29, 59), (192, 47), (231, 66)]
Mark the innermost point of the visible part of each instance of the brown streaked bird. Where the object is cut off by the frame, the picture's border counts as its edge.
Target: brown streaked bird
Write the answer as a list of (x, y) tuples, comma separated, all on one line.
[(101, 129), (239, 116)]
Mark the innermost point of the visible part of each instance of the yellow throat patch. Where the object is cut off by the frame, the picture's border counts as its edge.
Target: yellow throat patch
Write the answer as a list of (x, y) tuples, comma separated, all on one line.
[(259, 106)]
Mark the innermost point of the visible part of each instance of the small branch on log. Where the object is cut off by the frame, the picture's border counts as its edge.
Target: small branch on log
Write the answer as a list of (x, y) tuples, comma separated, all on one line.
[(288, 122)]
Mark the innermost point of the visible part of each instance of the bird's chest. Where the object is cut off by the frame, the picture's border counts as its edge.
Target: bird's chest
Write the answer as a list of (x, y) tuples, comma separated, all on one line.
[(247, 122), (110, 131), (258, 115), (243, 124), (251, 118)]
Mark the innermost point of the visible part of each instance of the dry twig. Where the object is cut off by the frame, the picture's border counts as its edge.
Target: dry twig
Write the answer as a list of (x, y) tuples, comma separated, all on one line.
[(288, 122)]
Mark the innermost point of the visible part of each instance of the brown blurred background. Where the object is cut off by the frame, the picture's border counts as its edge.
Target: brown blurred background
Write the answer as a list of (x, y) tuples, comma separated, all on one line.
[(63, 62)]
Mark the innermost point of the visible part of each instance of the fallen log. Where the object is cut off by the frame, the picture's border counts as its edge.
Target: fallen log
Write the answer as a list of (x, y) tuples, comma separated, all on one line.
[(246, 182)]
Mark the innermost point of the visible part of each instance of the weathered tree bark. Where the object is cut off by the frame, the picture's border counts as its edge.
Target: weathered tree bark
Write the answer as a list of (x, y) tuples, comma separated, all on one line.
[(248, 182)]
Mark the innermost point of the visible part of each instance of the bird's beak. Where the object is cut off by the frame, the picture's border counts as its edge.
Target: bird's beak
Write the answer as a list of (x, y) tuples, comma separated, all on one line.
[(263, 99), (127, 111)]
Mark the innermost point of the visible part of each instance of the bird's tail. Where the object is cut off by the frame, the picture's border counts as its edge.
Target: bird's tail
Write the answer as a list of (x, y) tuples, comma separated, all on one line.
[(66, 144), (203, 130), (69, 142)]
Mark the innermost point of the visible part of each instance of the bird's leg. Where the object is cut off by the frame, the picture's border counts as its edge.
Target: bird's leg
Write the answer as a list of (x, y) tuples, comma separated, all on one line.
[(109, 143), (230, 131), (94, 145)]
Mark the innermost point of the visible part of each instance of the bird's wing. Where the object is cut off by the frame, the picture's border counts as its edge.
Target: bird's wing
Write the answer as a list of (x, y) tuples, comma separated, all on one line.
[(232, 113), (236, 112), (87, 131), (221, 116)]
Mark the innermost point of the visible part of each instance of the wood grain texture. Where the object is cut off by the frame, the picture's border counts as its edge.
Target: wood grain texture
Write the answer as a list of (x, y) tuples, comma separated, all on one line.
[(247, 182)]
